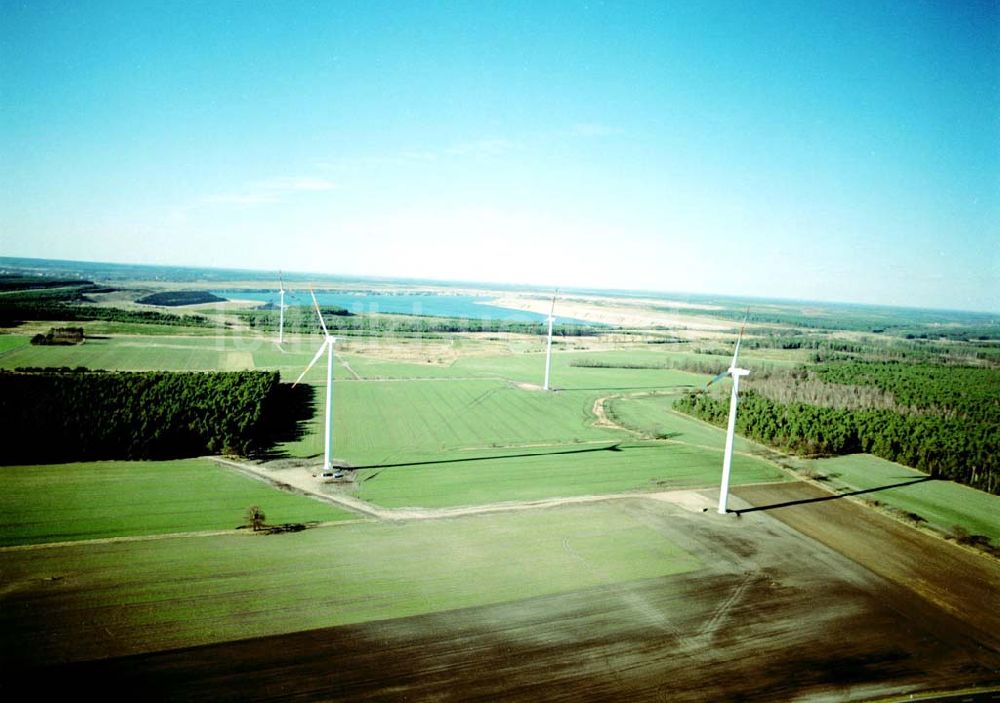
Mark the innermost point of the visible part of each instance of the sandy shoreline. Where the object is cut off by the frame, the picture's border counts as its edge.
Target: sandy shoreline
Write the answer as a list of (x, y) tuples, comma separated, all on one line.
[(614, 312)]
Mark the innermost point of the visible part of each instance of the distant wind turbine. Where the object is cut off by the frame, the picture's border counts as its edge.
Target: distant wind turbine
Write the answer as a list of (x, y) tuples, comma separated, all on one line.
[(548, 352), (326, 346), (727, 459), (281, 310)]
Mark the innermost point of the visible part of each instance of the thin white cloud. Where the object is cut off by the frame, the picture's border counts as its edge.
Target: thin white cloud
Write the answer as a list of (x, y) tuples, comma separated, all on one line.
[(271, 191)]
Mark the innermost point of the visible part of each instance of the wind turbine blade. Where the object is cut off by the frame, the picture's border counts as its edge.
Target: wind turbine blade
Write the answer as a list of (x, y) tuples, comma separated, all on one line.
[(552, 309), (740, 338), (281, 282), (718, 377), (319, 353), (316, 305)]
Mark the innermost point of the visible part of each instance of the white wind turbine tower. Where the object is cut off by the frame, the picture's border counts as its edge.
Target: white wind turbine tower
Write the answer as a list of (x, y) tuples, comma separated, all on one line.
[(727, 459), (326, 346), (281, 310), (548, 352)]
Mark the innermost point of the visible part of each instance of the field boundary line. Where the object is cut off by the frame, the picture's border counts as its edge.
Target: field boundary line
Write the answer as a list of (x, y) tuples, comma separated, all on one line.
[(304, 486), (112, 540), (161, 536)]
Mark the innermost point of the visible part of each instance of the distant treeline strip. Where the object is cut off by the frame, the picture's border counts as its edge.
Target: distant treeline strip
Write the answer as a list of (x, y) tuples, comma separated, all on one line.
[(678, 363), (827, 348), (83, 416), (896, 322), (13, 313), (302, 320), (16, 282)]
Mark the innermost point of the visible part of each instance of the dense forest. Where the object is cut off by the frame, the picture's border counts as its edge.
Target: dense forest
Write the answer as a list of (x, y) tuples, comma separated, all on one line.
[(175, 298), (73, 304), (944, 420), (19, 282), (829, 347), (12, 314), (83, 416)]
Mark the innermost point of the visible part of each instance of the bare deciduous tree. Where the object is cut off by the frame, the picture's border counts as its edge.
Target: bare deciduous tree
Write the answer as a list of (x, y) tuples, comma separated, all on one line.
[(255, 517)]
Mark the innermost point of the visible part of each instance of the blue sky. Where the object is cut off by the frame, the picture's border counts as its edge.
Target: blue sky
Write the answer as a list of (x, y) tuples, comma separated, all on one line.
[(844, 151)]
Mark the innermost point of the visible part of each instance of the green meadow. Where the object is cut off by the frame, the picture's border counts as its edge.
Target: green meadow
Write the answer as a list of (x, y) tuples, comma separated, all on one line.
[(942, 504), (136, 353), (97, 500), (461, 432), (545, 472), (317, 578), (653, 416), (11, 342), (447, 429)]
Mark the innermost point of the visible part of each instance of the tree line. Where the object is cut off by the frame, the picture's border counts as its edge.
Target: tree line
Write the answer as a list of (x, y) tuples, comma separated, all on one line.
[(84, 416), (72, 304), (941, 420), (13, 313), (303, 320)]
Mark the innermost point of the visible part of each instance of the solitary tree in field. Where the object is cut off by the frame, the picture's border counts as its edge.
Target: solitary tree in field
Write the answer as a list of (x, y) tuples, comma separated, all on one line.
[(255, 517)]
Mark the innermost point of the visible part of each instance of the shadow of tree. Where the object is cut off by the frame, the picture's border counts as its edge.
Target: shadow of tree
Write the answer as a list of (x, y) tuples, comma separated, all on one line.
[(283, 419)]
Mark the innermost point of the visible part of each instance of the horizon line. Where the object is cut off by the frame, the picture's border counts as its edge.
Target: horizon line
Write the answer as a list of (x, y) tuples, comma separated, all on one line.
[(484, 285)]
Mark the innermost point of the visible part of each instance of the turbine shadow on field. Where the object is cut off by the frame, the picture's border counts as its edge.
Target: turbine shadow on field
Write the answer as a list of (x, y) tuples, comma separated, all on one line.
[(679, 389), (838, 496), (613, 448)]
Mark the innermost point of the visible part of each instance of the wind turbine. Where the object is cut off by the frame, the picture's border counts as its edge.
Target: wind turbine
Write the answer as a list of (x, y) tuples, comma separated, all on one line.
[(548, 352), (281, 310), (326, 346), (727, 458)]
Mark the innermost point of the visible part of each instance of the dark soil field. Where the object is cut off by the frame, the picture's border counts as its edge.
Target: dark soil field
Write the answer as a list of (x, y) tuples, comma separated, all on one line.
[(814, 601)]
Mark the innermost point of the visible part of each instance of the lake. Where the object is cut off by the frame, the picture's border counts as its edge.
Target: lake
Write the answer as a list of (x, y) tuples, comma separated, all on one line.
[(466, 307)]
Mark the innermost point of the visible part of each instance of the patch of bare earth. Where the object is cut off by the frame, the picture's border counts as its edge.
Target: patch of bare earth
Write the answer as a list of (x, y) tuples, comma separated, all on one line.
[(773, 615), (959, 582), (617, 312)]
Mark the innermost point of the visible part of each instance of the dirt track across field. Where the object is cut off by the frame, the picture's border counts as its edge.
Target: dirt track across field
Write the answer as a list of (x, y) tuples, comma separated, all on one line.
[(861, 608)]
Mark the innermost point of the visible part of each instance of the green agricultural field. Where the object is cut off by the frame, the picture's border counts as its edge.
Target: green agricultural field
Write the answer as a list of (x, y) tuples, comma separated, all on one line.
[(652, 416), (136, 353), (546, 472), (530, 368), (448, 442), (312, 579), (393, 421), (375, 368), (64, 502), (943, 504), (10, 342)]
